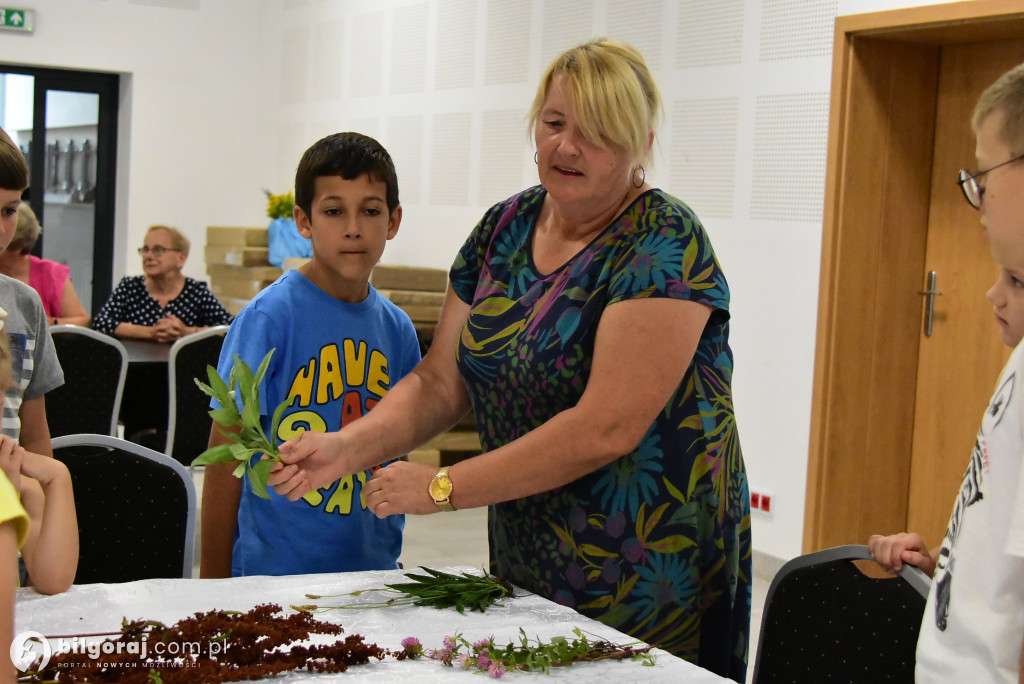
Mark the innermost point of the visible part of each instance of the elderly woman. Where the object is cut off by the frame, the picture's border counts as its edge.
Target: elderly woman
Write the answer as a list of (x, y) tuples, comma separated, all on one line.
[(51, 279), (164, 304), (587, 324)]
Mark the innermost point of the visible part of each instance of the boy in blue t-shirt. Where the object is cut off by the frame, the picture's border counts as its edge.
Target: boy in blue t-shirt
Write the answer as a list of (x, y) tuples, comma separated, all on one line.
[(339, 346)]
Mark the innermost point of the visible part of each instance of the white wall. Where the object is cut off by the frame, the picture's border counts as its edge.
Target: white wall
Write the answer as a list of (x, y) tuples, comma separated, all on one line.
[(222, 96), (197, 142)]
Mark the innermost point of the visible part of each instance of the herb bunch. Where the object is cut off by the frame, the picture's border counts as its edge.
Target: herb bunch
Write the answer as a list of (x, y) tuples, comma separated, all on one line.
[(437, 589), (250, 438), (529, 654)]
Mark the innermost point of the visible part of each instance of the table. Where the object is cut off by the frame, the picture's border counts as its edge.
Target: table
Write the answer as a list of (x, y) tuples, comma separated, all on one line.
[(95, 608), (145, 402), (142, 351)]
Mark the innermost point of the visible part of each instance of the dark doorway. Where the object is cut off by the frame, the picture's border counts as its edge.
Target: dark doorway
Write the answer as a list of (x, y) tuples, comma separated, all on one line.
[(66, 124)]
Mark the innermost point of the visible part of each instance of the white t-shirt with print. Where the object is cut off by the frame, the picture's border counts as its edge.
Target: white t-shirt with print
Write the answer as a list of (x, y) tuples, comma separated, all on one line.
[(974, 620)]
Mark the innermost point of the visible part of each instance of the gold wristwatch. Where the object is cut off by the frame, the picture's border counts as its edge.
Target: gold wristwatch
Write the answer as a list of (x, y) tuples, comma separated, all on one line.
[(440, 490)]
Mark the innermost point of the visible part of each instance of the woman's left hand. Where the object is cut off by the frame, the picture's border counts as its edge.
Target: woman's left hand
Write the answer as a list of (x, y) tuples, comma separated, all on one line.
[(401, 487), (170, 328)]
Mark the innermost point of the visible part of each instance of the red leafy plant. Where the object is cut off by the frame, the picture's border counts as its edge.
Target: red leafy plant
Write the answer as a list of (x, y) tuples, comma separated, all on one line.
[(233, 646)]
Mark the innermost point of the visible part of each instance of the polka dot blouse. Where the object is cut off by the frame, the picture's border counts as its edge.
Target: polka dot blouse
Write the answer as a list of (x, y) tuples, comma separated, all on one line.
[(130, 303)]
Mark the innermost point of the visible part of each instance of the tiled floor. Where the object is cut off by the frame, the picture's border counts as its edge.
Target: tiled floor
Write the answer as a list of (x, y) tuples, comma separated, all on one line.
[(460, 539)]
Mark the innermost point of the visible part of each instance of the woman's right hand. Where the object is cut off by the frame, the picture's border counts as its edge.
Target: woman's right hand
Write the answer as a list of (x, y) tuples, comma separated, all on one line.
[(892, 551), (308, 462)]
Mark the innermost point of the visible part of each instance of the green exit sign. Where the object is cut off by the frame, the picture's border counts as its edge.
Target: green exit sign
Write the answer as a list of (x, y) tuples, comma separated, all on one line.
[(17, 19)]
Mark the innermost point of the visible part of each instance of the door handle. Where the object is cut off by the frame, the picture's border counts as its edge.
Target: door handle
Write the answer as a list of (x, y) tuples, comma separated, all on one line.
[(930, 293)]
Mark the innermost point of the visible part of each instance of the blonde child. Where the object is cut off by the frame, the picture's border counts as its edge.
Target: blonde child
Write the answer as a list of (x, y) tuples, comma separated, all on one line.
[(973, 626), (43, 484)]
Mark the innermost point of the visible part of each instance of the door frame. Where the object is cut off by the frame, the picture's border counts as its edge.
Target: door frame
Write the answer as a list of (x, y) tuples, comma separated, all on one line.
[(107, 86), (885, 69)]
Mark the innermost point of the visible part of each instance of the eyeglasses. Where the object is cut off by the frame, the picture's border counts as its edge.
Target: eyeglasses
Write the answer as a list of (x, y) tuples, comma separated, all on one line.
[(969, 182), (157, 251)]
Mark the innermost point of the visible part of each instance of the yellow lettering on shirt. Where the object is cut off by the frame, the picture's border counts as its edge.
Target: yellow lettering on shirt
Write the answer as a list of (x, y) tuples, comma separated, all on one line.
[(300, 421), (341, 500), (355, 363), (330, 375), (377, 380), (302, 385)]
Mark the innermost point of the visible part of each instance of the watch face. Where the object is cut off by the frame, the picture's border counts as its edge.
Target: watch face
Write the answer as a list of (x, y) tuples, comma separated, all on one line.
[(440, 488)]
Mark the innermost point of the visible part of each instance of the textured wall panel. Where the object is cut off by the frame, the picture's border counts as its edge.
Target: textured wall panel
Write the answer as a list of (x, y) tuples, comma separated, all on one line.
[(366, 56), (371, 127), (329, 58), (294, 65), (456, 44), (502, 142), (641, 25), (173, 4), (409, 49), (790, 30), (702, 155), (405, 143), (449, 161), (790, 134), (508, 42), (709, 32), (293, 141), (564, 23)]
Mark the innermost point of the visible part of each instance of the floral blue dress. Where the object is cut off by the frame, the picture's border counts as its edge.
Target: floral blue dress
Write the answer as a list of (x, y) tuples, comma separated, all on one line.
[(656, 543)]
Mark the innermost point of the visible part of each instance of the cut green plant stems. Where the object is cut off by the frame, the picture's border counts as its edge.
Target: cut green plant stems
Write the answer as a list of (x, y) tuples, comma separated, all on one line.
[(437, 589), (242, 385)]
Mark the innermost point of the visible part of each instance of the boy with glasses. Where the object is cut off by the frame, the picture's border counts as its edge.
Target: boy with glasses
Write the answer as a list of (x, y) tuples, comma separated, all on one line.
[(973, 627)]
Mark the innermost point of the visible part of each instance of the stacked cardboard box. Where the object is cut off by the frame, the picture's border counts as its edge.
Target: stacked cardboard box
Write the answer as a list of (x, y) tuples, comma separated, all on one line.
[(236, 261), (420, 293)]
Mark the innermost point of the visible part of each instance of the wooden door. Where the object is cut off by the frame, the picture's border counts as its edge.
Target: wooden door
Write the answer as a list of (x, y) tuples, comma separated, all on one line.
[(958, 365), (893, 415)]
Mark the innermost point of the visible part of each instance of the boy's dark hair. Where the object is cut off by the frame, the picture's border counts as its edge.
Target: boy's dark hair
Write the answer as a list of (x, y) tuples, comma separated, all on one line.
[(13, 167), (349, 155)]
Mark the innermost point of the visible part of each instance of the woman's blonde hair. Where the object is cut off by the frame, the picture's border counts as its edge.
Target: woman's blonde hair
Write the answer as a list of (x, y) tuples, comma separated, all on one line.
[(1005, 96), (612, 91), (178, 239), (27, 233)]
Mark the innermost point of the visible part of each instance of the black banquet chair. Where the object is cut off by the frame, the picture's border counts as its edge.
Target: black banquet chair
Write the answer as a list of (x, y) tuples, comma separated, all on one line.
[(94, 367), (136, 509), (826, 621), (188, 420)]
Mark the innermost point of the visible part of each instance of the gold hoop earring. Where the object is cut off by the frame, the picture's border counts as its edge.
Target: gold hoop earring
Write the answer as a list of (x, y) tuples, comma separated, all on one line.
[(643, 177), (536, 160)]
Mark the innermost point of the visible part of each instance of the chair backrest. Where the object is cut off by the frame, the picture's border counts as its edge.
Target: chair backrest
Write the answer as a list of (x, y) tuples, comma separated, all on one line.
[(136, 509), (825, 620), (188, 420), (94, 367)]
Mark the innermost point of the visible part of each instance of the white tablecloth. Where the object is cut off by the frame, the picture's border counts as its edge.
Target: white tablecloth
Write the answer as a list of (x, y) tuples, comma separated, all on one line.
[(94, 608)]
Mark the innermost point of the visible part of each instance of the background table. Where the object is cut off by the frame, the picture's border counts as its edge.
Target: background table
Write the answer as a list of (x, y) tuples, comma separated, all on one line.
[(145, 403), (142, 351), (94, 608)]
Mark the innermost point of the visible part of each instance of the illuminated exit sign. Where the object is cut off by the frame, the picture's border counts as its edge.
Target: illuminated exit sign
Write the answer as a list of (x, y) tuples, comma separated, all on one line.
[(16, 19)]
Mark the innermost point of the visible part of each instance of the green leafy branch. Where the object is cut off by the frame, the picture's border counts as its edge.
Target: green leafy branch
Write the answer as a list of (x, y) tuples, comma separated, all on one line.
[(436, 588), (249, 439)]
